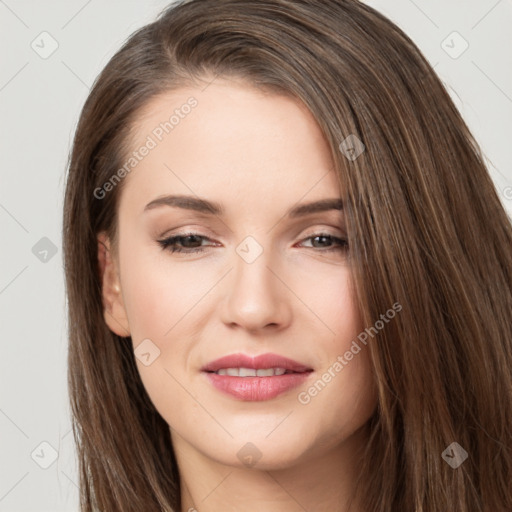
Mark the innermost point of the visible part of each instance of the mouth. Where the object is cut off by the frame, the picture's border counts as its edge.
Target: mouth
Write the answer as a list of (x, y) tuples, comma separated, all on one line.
[(255, 378), (244, 365), (253, 372)]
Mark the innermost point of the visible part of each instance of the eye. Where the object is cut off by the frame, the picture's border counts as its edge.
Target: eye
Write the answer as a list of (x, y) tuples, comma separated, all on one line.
[(183, 242), (192, 243), (325, 238)]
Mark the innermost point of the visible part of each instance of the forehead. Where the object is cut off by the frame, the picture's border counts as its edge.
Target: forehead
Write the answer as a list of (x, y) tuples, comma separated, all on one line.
[(228, 141)]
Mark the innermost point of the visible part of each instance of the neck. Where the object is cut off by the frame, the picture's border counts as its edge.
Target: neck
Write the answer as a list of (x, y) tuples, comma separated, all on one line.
[(320, 482)]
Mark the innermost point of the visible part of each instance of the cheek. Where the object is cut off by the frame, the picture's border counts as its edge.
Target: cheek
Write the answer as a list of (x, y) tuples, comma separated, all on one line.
[(159, 300), (329, 300), (345, 385), (157, 293)]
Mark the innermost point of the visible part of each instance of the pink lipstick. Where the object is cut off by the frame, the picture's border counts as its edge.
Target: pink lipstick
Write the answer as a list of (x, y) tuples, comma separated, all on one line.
[(255, 378)]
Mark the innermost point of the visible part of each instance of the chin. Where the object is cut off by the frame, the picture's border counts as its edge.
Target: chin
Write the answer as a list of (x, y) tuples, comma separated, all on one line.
[(262, 454)]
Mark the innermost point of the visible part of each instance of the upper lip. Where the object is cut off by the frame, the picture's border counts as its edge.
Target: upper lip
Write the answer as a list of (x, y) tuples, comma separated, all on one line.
[(256, 362)]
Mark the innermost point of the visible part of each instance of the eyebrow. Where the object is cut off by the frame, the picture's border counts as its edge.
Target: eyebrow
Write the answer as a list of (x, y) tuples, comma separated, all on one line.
[(213, 208)]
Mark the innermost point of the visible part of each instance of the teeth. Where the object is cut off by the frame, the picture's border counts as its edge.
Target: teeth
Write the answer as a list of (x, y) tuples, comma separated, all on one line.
[(246, 372), (251, 372), (268, 372)]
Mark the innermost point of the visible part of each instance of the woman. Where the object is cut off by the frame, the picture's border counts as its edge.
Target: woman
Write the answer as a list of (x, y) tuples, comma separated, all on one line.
[(288, 271)]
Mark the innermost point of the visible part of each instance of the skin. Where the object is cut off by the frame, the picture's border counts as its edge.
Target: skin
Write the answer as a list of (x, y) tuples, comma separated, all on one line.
[(258, 154)]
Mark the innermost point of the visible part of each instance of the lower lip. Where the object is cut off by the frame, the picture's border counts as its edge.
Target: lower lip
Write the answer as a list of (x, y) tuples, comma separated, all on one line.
[(257, 388)]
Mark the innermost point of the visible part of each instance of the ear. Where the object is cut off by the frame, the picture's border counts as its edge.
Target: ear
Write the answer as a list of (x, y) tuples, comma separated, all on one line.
[(114, 311)]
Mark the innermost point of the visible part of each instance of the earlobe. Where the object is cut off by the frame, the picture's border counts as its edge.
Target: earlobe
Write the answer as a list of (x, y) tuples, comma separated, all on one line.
[(114, 311)]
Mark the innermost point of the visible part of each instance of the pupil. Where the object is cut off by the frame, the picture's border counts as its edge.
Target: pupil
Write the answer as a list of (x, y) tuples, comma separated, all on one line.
[(189, 237), (323, 238)]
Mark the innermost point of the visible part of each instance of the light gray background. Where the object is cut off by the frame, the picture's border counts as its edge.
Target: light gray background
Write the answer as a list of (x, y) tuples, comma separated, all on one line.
[(40, 101)]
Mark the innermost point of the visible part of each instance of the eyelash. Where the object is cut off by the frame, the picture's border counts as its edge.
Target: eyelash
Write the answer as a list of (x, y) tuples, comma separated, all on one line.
[(169, 244)]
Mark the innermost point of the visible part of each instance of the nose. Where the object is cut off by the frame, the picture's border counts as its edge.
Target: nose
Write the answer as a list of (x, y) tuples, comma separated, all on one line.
[(256, 295)]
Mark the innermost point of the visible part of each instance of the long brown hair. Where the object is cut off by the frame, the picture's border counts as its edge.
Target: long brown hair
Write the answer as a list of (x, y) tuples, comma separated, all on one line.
[(425, 228)]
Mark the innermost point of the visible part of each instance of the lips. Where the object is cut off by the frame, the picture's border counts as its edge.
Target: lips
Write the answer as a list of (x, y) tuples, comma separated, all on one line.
[(255, 378), (261, 362)]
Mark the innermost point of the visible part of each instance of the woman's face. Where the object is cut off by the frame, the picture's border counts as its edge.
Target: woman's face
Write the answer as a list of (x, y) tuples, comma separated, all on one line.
[(269, 279)]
